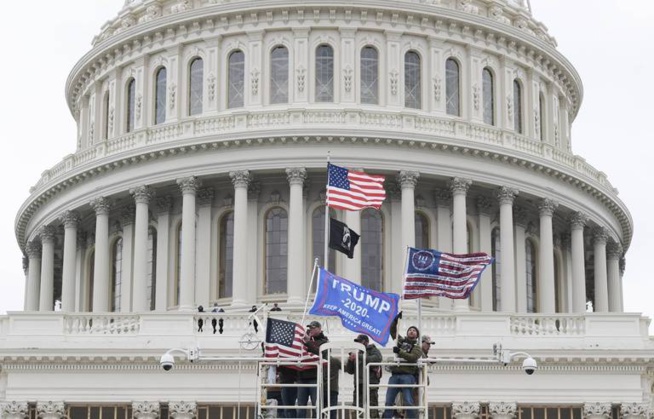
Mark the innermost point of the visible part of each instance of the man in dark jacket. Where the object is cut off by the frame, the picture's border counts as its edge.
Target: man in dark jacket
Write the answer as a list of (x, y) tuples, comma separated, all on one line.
[(409, 351), (312, 341), (372, 355)]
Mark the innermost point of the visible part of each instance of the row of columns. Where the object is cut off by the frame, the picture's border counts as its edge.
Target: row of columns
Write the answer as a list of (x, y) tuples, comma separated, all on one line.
[(452, 236)]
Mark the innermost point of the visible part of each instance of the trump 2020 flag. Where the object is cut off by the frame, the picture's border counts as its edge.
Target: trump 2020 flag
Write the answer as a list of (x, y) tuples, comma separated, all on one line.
[(432, 273), (352, 191), (341, 238), (284, 340), (361, 310)]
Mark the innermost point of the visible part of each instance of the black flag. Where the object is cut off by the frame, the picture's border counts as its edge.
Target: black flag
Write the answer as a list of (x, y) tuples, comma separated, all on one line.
[(341, 238)]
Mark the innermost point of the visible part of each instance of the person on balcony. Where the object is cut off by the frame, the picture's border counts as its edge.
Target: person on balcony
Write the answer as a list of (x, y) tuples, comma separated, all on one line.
[(409, 352), (372, 355), (313, 338)]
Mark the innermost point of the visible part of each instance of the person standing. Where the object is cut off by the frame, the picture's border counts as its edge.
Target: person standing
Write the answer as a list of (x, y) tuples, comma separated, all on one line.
[(308, 377), (408, 351), (330, 385), (372, 355)]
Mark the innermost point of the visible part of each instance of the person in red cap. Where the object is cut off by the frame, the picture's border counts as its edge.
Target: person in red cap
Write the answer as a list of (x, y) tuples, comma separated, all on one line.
[(372, 355)]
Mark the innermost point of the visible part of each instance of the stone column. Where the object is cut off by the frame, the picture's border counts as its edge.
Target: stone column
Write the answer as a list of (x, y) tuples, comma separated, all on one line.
[(459, 188), (506, 196), (182, 410), (32, 290), (145, 410), (597, 410), (407, 181), (126, 255), (50, 410), (520, 225), (296, 284), (614, 252), (485, 288), (70, 220), (253, 275), (81, 284), (164, 205), (577, 223), (502, 410), (101, 270), (601, 303), (46, 300), (465, 410), (635, 411), (189, 187), (203, 253), (142, 196), (546, 286), (240, 179), (14, 410), (443, 199)]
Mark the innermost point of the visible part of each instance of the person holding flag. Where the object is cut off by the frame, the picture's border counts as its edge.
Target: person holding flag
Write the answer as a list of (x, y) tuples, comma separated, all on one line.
[(313, 339)]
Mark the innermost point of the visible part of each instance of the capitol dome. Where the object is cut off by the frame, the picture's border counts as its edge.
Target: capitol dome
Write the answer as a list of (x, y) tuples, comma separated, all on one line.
[(198, 178)]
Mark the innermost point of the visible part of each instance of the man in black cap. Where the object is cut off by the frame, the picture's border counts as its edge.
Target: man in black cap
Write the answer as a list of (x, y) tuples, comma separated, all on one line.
[(409, 352), (356, 359), (312, 341)]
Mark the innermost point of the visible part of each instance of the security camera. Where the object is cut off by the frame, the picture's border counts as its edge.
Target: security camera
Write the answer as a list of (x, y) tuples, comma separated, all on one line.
[(529, 365), (167, 361)]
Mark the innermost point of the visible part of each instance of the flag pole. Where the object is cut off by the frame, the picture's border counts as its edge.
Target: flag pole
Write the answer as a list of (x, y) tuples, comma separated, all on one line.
[(325, 260), (306, 302)]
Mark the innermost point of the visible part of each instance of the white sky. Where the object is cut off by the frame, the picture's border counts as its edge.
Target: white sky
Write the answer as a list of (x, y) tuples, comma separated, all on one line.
[(608, 41)]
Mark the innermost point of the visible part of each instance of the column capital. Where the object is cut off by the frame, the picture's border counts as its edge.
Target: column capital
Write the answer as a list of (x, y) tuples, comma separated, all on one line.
[(14, 410), (597, 410), (240, 178), (142, 194), (33, 250), (578, 220), (459, 185), (50, 410), (461, 410), (182, 410), (502, 410), (189, 185), (635, 410), (443, 197), (506, 195), (614, 250), (145, 410), (484, 205), (164, 204), (600, 235), (408, 179), (47, 234), (101, 205), (547, 207), (205, 196), (296, 175), (70, 219)]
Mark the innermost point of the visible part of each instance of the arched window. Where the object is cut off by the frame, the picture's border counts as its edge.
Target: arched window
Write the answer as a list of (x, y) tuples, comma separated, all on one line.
[(226, 256), (105, 116), (131, 98), (412, 79), (276, 251), (195, 86), (279, 75), (422, 231), (530, 264), (236, 79), (517, 106), (541, 116), (496, 251), (324, 74), (160, 96), (371, 249), (452, 88), (369, 75), (318, 240), (116, 273), (152, 267), (488, 96)]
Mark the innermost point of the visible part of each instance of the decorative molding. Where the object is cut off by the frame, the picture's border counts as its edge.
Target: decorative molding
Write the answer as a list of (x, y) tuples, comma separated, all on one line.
[(240, 178), (502, 410), (211, 87), (172, 92), (182, 410), (14, 410), (459, 185), (47, 234), (394, 78), (476, 95), (597, 410), (70, 219), (189, 185), (600, 235), (506, 195), (408, 179), (142, 194), (578, 220), (254, 81), (50, 410), (347, 78), (145, 410), (33, 250), (547, 206), (296, 175), (301, 78), (465, 410), (635, 411), (437, 88)]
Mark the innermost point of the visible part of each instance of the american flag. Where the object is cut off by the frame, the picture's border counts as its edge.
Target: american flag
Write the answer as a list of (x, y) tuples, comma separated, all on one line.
[(284, 340), (353, 191), (431, 273)]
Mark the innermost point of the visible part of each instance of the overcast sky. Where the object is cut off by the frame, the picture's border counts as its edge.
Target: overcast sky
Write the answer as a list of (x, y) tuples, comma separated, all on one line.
[(608, 41)]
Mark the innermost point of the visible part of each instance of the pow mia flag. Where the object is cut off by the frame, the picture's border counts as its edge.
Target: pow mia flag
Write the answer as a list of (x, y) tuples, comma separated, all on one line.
[(341, 238)]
